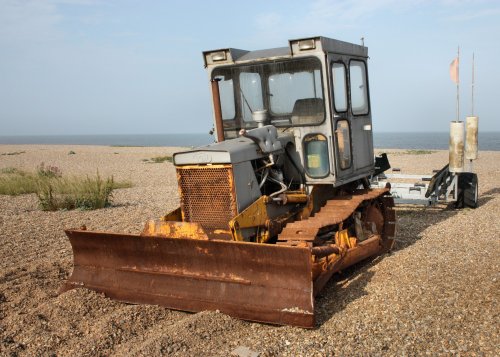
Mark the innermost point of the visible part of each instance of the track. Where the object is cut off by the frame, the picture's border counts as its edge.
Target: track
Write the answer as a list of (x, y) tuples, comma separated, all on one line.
[(337, 211)]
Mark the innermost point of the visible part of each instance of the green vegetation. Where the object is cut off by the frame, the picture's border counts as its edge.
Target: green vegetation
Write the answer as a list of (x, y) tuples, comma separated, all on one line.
[(10, 170), (16, 182), (159, 159), (410, 152), (56, 192), (13, 153), (69, 193), (419, 152), (48, 171)]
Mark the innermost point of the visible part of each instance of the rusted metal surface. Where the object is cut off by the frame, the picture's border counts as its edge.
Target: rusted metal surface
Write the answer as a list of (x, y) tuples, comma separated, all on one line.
[(370, 247), (378, 217), (323, 251), (334, 212), (373, 219), (217, 109), (208, 197), (259, 282), (325, 275)]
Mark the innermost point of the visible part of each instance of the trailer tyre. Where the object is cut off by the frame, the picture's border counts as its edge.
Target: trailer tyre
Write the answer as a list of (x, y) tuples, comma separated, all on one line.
[(468, 190)]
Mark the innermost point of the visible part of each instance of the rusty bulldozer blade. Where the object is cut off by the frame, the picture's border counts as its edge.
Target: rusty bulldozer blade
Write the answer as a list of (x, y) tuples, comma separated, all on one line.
[(265, 283)]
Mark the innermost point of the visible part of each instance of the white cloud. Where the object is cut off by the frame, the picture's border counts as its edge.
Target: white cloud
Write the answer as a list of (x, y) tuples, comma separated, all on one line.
[(474, 14), (27, 20), (324, 17), (33, 21)]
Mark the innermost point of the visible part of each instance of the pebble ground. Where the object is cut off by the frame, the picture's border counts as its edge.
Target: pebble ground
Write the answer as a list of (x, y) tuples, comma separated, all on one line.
[(435, 294)]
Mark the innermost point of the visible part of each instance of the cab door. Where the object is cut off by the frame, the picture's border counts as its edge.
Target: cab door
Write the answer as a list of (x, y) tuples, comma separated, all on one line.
[(361, 121), (351, 119)]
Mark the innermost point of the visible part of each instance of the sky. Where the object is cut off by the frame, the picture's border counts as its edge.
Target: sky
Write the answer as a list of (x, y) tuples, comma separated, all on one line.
[(135, 67)]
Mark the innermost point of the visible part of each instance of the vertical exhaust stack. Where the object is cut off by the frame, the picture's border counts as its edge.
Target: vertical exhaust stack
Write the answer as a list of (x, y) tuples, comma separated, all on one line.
[(219, 126), (456, 146)]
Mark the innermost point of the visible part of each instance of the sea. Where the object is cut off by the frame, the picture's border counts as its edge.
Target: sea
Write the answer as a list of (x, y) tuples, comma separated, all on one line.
[(489, 141)]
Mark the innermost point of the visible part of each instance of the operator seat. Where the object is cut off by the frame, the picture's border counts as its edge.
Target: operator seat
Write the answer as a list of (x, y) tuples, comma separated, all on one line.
[(308, 111)]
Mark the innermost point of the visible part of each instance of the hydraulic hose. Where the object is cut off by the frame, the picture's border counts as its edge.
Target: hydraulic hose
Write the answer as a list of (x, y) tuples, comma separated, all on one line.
[(294, 164), (283, 187), (266, 173)]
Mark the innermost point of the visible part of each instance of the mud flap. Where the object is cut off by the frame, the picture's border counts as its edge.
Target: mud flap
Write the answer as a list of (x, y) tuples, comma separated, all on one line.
[(257, 282)]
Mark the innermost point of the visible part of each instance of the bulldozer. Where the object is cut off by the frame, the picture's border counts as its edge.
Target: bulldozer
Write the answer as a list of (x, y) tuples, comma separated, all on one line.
[(273, 208)]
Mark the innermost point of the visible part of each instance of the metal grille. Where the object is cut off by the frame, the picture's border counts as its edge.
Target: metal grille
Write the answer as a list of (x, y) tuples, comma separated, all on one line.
[(207, 195)]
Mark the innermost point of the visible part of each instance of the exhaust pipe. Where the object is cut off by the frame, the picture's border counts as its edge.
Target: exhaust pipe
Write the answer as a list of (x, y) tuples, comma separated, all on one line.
[(219, 127)]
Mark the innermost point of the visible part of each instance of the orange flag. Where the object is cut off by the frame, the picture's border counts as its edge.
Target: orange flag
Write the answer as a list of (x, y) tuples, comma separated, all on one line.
[(454, 70)]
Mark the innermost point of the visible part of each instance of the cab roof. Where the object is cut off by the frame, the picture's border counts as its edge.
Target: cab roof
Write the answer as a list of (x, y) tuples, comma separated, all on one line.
[(321, 44)]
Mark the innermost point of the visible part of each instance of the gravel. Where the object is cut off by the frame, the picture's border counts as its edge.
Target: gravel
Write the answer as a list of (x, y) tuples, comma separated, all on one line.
[(435, 294)]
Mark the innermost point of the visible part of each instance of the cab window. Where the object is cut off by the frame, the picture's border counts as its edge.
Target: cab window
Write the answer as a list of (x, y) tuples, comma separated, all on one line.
[(226, 92), (251, 94), (343, 139), (316, 155), (290, 90), (339, 87), (358, 88)]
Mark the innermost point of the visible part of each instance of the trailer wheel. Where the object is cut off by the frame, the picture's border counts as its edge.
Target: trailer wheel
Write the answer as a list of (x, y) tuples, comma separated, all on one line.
[(468, 190)]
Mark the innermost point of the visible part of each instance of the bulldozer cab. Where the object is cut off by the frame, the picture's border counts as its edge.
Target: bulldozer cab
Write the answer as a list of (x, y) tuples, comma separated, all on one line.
[(316, 88)]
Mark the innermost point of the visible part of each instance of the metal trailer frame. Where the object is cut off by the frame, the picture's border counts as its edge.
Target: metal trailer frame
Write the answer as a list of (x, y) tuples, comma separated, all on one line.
[(428, 190)]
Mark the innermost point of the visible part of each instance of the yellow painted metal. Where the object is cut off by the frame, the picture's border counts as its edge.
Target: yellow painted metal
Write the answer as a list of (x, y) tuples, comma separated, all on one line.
[(294, 197), (169, 229), (254, 215), (308, 209), (343, 240)]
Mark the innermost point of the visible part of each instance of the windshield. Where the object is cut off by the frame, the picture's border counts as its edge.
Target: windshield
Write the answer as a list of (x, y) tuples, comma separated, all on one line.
[(291, 91)]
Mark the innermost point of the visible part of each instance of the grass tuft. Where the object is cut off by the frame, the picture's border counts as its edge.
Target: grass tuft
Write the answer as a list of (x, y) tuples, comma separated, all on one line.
[(56, 192), (419, 152), (48, 171), (13, 153), (86, 194), (413, 152), (11, 170), (159, 159), (15, 182)]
